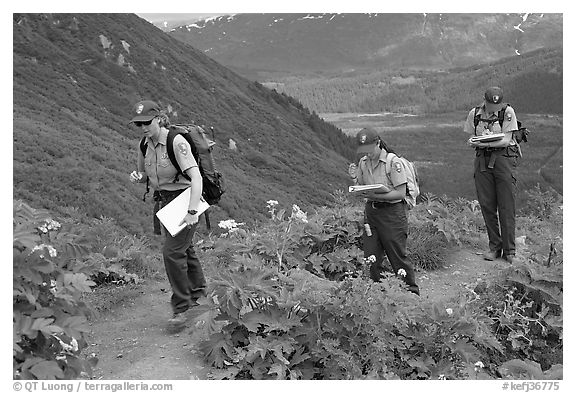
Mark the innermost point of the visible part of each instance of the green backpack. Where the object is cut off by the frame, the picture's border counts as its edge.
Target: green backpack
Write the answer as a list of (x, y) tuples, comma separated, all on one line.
[(201, 146), (412, 186)]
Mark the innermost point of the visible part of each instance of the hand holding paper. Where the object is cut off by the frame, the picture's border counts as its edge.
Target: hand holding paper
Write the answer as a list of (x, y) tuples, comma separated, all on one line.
[(172, 215), (487, 138)]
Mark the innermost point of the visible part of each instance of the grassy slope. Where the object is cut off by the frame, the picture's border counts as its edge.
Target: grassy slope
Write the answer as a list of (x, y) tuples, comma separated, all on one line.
[(76, 78)]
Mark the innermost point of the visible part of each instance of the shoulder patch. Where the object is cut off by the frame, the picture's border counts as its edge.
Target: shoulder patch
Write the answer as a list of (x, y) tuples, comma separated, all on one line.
[(508, 116), (183, 148), (398, 167)]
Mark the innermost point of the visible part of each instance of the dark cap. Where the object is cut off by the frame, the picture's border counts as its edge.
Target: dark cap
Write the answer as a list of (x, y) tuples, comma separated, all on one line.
[(365, 139), (493, 95), (145, 111)]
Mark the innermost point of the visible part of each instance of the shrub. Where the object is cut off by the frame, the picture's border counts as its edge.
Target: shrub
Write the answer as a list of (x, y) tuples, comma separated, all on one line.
[(262, 324), (56, 264), (526, 311), (318, 315), (49, 317)]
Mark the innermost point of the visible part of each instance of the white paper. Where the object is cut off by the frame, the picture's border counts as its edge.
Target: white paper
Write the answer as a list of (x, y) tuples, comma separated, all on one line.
[(173, 213), (365, 187), (487, 138)]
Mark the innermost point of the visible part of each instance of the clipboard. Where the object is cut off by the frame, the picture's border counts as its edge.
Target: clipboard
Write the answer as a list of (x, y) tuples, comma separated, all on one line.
[(487, 138), (365, 187), (173, 213)]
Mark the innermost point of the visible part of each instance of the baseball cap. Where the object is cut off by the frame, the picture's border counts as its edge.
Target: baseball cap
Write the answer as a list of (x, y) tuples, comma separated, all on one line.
[(493, 97), (145, 111), (366, 138)]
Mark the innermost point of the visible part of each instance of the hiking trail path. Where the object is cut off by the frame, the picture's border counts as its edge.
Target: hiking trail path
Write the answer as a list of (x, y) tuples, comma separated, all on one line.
[(132, 343)]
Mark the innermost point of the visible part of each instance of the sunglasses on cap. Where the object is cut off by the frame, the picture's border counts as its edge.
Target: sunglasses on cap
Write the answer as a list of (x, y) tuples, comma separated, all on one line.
[(143, 123)]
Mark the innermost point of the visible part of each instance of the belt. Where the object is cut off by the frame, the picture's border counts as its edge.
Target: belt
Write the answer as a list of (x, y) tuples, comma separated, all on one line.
[(165, 195), (381, 205), (489, 150), (486, 154)]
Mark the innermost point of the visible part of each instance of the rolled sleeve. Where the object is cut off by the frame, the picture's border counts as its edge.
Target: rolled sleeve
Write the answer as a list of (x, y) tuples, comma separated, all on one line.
[(398, 173), (183, 153), (510, 123)]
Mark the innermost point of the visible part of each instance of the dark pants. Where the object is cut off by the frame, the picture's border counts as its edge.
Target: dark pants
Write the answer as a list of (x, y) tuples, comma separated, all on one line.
[(496, 190), (157, 224), (389, 226), (182, 267)]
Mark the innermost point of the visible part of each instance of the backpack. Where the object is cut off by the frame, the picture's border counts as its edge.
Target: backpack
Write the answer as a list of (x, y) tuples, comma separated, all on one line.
[(201, 146), (412, 186), (519, 136)]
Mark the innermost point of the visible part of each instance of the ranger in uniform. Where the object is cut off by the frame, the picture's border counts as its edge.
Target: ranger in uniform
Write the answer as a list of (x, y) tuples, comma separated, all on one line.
[(385, 210), (182, 266), (495, 173)]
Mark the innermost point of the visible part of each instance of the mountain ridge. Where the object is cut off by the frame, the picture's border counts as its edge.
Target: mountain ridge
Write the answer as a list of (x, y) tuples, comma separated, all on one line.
[(282, 44)]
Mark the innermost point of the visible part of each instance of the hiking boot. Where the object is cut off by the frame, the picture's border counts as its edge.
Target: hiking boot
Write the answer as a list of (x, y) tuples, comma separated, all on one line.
[(177, 322), (512, 259), (492, 255)]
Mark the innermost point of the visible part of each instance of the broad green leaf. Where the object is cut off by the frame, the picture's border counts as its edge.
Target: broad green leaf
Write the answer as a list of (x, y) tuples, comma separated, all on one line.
[(227, 373), (45, 325), (554, 372), (47, 369), (521, 369), (216, 349), (23, 326), (75, 325), (45, 267), (78, 281), (279, 369), (299, 356)]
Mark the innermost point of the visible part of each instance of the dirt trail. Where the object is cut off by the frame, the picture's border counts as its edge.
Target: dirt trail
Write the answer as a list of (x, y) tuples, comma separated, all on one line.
[(131, 341)]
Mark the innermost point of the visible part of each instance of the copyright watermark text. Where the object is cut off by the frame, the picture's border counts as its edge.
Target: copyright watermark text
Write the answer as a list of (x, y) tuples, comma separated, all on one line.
[(89, 386), (529, 386)]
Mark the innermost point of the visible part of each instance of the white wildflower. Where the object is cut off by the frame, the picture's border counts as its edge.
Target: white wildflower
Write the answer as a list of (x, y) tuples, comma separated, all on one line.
[(449, 311), (402, 272), (371, 259), (53, 288), (271, 206), (230, 225), (53, 225), (51, 250), (478, 365), (299, 214), (49, 225), (442, 377), (72, 347)]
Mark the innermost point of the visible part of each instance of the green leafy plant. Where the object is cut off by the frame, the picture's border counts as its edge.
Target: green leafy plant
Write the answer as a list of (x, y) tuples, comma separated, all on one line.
[(321, 317), (526, 310), (49, 318)]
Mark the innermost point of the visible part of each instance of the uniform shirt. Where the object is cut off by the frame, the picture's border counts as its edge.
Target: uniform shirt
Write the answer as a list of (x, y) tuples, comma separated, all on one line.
[(158, 166), (368, 175), (484, 128)]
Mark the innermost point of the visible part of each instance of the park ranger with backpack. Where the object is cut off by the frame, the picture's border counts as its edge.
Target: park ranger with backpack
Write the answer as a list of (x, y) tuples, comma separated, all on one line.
[(386, 207), (495, 136), (182, 266)]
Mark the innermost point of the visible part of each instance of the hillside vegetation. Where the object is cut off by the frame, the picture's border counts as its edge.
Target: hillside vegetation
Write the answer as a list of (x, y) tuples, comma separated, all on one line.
[(76, 79), (291, 298), (532, 82)]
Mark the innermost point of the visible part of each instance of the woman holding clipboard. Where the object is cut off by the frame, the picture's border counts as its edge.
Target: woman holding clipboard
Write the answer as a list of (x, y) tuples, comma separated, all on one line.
[(182, 266), (495, 171)]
